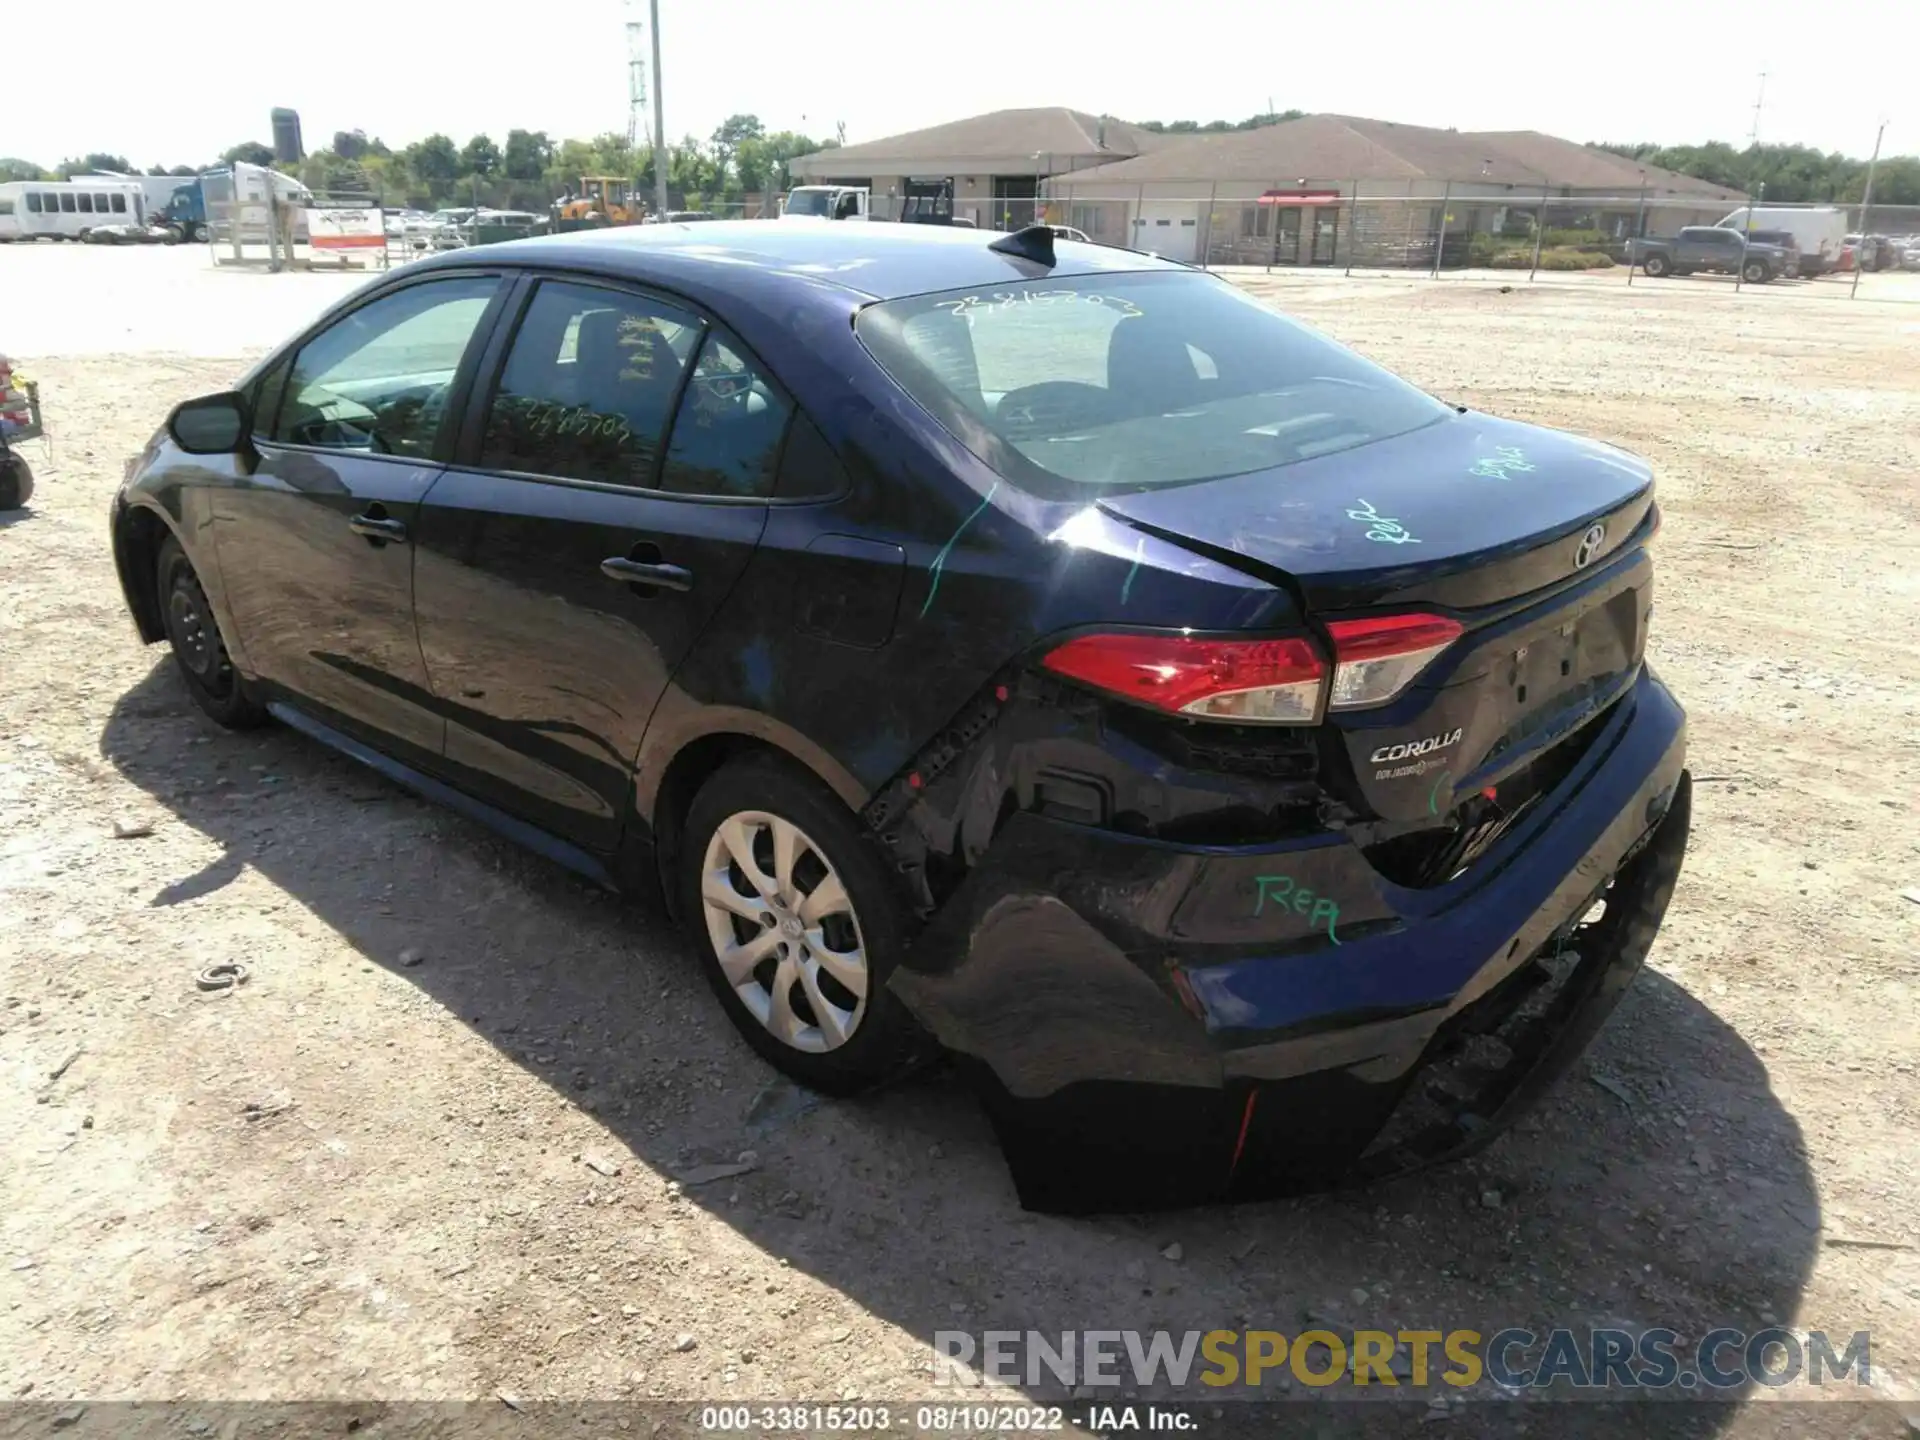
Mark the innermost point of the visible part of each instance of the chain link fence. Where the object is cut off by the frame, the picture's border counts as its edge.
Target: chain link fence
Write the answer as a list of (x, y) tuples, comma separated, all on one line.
[(1436, 227)]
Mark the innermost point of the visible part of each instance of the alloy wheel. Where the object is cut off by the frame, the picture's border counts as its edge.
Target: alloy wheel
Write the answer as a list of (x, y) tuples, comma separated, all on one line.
[(784, 931)]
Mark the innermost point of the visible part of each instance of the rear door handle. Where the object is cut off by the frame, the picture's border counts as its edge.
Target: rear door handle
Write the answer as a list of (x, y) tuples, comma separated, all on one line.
[(637, 572), (377, 527)]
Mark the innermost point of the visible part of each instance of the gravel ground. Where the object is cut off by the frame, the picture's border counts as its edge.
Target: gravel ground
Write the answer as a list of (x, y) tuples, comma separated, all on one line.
[(444, 1142)]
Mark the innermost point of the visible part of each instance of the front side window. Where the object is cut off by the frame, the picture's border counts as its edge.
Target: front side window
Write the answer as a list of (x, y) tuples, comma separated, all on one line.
[(589, 386), (119, 204), (1076, 387), (378, 379)]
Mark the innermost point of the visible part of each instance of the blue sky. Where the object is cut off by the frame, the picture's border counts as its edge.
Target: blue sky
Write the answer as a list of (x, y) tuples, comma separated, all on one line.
[(1625, 70)]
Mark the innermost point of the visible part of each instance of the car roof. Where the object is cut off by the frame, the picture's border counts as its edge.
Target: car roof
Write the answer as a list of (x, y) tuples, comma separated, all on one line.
[(878, 260)]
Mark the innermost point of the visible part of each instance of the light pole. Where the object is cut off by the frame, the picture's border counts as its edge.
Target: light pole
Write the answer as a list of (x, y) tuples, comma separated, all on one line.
[(659, 125), (1866, 208)]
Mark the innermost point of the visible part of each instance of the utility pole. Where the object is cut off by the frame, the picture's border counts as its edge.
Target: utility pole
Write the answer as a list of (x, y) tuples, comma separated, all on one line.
[(659, 125), (1758, 101), (1866, 208)]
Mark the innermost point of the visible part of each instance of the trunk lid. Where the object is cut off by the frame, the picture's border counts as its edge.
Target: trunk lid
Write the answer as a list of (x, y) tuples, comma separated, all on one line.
[(1462, 513), (1507, 528)]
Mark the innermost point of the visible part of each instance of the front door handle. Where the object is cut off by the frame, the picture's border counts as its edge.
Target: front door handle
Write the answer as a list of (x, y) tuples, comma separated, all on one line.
[(378, 528), (638, 572)]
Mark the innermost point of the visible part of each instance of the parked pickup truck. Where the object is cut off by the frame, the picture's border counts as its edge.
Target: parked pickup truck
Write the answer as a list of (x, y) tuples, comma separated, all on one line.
[(1706, 247)]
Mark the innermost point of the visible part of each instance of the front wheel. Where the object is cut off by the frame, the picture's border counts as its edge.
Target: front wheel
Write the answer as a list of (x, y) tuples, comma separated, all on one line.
[(1756, 272), (193, 633), (798, 927)]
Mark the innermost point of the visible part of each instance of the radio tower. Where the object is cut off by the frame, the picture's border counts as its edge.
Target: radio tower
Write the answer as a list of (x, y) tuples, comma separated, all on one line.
[(637, 125)]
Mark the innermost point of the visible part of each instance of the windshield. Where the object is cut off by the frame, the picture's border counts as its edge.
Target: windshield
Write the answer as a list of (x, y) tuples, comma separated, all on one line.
[(810, 202), (1079, 387)]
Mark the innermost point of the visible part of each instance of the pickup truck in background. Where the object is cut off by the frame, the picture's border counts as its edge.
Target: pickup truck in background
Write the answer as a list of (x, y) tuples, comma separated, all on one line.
[(1707, 247)]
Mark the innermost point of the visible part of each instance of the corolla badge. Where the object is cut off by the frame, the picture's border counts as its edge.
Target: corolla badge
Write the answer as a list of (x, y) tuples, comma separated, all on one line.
[(1590, 544)]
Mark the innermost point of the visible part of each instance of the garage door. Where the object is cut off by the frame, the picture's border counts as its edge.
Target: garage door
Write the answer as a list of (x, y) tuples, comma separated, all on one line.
[(1170, 228)]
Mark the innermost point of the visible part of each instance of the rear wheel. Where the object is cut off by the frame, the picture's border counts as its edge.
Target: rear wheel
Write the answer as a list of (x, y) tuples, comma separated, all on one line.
[(16, 481), (1656, 265), (193, 632), (798, 927)]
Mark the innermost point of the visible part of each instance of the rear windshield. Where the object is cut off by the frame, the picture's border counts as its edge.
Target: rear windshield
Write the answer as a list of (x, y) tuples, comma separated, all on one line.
[(1073, 388)]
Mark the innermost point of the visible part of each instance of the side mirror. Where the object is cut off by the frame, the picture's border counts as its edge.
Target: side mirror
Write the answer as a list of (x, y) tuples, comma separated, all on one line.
[(211, 425)]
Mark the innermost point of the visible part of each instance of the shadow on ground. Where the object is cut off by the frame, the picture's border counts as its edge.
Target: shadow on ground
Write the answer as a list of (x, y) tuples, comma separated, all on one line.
[(1660, 1184)]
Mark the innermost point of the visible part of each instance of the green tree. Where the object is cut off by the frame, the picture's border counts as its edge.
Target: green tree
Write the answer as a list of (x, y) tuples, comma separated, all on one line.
[(734, 131), (13, 168), (98, 160), (435, 164), (528, 154), (249, 152), (481, 157)]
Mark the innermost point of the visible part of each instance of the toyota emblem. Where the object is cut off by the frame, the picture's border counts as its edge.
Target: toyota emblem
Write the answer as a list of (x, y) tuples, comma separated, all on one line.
[(1590, 544)]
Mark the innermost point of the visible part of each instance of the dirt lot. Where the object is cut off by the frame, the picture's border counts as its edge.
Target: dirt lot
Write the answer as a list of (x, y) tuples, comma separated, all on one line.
[(427, 1150)]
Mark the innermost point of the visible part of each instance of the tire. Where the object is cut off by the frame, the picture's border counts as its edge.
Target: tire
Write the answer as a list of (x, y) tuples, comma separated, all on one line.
[(16, 481), (1656, 266), (193, 634), (845, 1042), (1756, 272), (199, 234)]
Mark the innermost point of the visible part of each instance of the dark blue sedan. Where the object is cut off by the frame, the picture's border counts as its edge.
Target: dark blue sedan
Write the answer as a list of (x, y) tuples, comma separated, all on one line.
[(1243, 763)]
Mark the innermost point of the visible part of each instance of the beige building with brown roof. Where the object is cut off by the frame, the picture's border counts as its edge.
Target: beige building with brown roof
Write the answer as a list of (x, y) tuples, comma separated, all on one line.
[(1338, 189), (1322, 189), (996, 161)]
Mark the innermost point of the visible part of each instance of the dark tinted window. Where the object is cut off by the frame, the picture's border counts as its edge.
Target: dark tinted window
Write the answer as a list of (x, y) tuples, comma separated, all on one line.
[(726, 438), (1076, 386), (808, 467), (86, 203), (6, 206), (268, 392), (119, 204), (589, 385), (33, 202), (66, 202), (378, 378)]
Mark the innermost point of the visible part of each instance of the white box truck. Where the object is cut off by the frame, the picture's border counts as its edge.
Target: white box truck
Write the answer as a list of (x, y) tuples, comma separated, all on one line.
[(1819, 231)]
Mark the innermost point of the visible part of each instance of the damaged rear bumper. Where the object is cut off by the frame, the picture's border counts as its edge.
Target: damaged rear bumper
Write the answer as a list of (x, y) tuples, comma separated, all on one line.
[(1159, 1024)]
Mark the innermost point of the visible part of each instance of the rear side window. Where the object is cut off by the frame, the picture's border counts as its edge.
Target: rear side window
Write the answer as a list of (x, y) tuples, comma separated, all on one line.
[(6, 206), (726, 437), (589, 386), (1076, 387), (377, 379)]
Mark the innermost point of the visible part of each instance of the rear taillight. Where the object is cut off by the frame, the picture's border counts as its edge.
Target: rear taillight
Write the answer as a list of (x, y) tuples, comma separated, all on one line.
[(1377, 657), (1280, 681), (1247, 682)]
